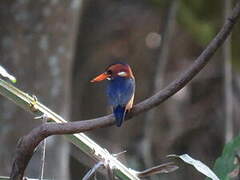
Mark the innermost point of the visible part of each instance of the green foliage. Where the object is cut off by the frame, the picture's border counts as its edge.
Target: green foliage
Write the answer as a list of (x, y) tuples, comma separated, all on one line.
[(226, 165), (197, 21), (201, 20)]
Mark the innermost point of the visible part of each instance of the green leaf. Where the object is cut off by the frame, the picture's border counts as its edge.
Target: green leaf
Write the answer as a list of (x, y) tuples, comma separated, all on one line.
[(202, 168), (202, 30), (225, 165)]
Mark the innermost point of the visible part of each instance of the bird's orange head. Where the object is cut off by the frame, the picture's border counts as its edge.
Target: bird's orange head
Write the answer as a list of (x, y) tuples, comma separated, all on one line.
[(115, 70)]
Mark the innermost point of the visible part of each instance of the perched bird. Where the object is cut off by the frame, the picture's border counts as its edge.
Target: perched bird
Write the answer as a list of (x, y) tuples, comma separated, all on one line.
[(120, 89)]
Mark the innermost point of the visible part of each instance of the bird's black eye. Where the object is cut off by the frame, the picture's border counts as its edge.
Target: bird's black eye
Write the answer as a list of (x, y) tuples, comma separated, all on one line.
[(109, 72)]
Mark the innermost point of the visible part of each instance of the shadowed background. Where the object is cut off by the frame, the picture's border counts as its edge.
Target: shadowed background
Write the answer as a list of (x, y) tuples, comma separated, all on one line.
[(55, 47)]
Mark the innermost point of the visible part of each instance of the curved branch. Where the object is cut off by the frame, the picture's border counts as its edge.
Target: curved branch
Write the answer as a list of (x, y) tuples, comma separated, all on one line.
[(29, 142)]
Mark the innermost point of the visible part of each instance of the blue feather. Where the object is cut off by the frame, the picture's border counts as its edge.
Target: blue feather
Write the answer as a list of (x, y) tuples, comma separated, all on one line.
[(120, 91), (119, 113)]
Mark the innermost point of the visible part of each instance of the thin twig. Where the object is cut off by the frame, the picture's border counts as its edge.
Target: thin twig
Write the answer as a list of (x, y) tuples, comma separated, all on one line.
[(43, 153), (29, 142), (119, 154), (160, 169), (93, 170)]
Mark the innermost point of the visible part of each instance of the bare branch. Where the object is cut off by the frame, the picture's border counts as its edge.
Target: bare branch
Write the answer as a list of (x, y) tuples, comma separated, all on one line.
[(29, 142), (160, 169)]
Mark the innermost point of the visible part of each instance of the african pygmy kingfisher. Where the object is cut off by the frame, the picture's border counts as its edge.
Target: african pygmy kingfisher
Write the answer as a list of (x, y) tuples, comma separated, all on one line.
[(120, 89)]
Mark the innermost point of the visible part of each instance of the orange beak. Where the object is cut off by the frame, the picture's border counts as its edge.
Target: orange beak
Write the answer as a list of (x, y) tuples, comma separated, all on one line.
[(100, 77)]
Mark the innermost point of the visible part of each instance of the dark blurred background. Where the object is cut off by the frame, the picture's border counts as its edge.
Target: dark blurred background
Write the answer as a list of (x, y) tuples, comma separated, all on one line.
[(55, 47)]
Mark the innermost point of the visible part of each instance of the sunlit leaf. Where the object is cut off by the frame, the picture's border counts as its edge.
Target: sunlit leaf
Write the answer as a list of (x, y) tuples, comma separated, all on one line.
[(201, 167), (4, 73)]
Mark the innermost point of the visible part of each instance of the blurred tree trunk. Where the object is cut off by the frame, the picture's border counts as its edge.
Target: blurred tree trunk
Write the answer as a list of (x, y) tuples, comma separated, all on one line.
[(228, 87), (158, 80), (36, 45)]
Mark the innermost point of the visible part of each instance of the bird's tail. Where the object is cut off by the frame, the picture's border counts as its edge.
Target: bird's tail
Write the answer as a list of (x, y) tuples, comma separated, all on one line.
[(119, 113)]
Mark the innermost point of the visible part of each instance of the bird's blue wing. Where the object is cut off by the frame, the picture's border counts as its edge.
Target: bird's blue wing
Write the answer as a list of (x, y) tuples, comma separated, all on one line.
[(120, 91)]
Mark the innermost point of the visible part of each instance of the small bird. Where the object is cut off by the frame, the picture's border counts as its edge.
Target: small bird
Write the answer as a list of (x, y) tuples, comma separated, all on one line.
[(120, 89)]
